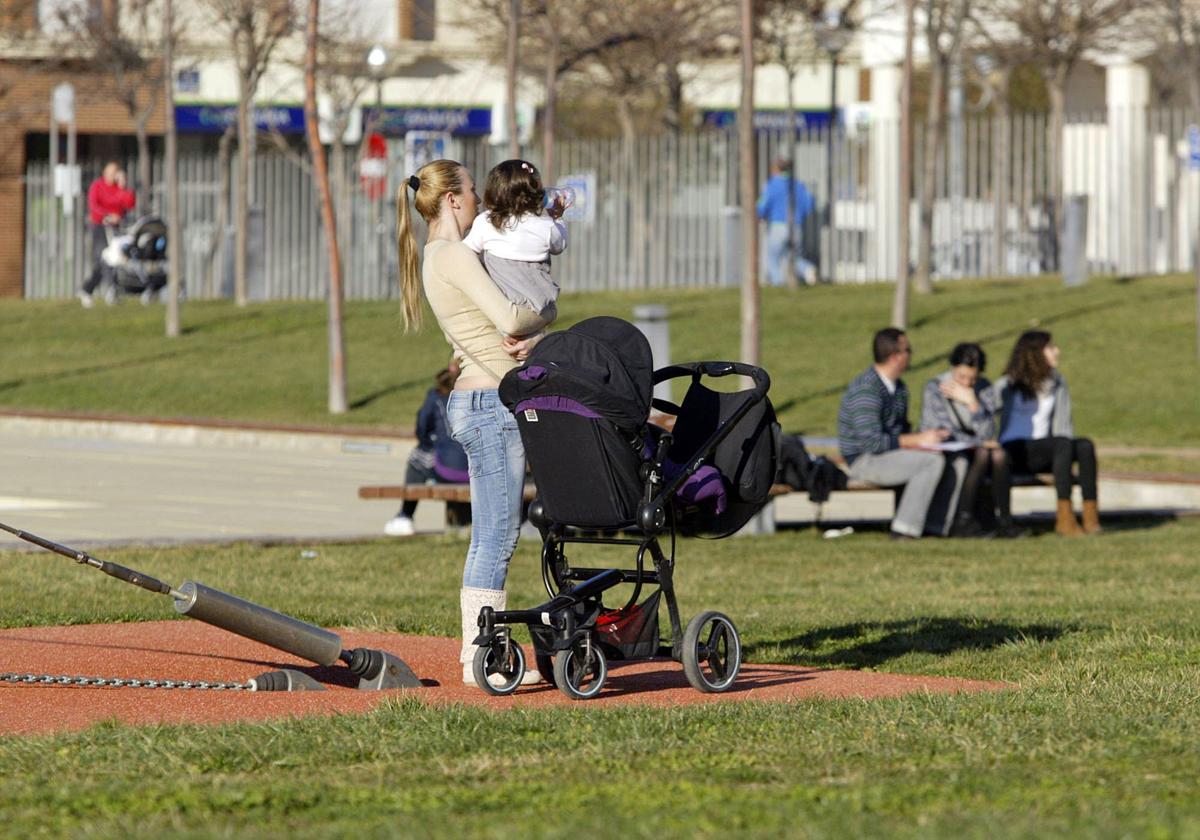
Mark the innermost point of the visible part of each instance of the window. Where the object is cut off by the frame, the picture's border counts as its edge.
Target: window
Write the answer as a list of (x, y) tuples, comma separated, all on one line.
[(58, 16)]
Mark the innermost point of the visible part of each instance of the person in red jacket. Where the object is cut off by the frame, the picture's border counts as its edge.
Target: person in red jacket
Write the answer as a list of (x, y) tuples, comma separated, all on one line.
[(108, 202)]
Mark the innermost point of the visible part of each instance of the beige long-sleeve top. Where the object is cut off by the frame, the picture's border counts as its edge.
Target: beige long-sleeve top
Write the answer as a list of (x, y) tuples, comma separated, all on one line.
[(473, 313)]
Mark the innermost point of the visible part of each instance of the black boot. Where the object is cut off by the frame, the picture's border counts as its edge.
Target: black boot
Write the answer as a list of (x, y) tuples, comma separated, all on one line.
[(1006, 529), (966, 525)]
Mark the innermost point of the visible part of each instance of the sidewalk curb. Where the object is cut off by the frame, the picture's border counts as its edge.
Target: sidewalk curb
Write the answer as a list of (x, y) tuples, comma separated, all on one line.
[(207, 434)]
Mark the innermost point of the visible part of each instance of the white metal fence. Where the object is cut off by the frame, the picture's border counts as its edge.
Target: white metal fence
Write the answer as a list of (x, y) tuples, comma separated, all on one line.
[(663, 212)]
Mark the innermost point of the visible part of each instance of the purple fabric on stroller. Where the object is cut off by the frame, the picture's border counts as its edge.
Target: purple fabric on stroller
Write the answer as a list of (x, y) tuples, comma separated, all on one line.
[(555, 404), (450, 474), (531, 373), (705, 485)]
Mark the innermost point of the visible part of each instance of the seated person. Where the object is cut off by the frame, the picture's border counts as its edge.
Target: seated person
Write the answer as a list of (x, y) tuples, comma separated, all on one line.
[(437, 457), (876, 440), (963, 401), (1037, 431)]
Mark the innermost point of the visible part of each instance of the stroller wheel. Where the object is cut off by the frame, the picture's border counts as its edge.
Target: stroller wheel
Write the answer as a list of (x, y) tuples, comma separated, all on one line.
[(712, 652), (499, 667), (580, 671)]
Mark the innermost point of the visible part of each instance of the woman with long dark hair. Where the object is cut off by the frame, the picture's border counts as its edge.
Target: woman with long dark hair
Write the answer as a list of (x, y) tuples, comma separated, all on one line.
[(1037, 431)]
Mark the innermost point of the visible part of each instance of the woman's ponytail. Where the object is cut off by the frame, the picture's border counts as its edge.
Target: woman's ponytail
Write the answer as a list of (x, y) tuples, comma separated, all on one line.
[(429, 184), (406, 247)]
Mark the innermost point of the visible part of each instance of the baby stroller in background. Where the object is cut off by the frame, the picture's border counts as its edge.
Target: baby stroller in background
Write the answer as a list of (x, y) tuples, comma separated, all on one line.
[(604, 475), (137, 260)]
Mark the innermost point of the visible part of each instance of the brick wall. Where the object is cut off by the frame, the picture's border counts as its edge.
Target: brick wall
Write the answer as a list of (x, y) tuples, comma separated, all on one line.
[(25, 89)]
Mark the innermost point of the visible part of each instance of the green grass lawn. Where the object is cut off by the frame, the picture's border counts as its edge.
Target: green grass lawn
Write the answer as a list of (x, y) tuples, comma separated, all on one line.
[(1128, 351), (1100, 738)]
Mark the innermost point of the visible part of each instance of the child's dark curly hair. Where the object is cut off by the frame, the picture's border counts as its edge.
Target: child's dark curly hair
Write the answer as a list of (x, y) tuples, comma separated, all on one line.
[(513, 189)]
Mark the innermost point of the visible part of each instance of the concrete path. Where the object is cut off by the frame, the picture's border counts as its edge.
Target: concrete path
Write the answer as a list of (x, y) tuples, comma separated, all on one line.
[(100, 482), (132, 483)]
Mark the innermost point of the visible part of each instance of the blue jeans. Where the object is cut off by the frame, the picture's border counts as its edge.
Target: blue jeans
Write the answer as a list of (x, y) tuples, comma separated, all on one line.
[(777, 242), (496, 462)]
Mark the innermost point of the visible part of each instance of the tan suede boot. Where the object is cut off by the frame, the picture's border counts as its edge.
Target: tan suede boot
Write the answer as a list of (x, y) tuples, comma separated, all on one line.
[(1091, 517), (1065, 525)]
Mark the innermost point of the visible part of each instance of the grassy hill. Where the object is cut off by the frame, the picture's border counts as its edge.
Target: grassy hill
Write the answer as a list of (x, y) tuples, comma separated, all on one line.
[(1128, 352)]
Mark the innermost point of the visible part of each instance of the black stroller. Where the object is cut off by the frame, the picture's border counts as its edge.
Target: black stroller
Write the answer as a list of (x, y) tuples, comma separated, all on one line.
[(137, 259), (605, 475)]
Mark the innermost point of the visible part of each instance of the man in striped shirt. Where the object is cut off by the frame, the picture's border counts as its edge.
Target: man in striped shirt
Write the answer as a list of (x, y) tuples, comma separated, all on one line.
[(877, 441)]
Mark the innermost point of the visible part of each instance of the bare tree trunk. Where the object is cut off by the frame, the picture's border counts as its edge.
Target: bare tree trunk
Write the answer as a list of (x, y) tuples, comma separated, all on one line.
[(143, 165), (1001, 166), (241, 197), (673, 113), (746, 192), (338, 185), (171, 167), (514, 35), (1194, 89), (337, 355), (219, 242), (1056, 89), (634, 193), (794, 236), (935, 127), (549, 115), (900, 300), (628, 129)]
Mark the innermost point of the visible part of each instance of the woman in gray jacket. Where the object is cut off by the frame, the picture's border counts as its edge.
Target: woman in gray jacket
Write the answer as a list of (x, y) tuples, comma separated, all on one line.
[(1037, 431), (963, 402)]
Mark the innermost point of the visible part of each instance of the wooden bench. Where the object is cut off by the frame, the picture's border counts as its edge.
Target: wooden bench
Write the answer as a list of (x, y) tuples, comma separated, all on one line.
[(423, 492), (457, 495)]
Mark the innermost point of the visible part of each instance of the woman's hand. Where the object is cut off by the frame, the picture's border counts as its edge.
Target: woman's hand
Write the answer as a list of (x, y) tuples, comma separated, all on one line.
[(959, 393), (520, 347)]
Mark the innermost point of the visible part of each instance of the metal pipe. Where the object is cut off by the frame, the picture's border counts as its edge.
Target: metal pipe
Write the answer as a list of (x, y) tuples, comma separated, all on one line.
[(244, 618)]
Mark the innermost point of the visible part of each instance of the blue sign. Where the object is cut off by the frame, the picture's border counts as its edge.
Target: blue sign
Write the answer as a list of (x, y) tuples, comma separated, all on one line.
[(1194, 147), (214, 119), (401, 120), (286, 119), (187, 81), (774, 120)]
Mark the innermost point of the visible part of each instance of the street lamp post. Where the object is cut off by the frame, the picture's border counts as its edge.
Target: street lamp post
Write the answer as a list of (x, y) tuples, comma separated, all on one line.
[(376, 59), (834, 33)]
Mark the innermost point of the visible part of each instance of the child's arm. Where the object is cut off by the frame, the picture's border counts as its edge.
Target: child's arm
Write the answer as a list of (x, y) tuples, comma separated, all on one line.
[(558, 236)]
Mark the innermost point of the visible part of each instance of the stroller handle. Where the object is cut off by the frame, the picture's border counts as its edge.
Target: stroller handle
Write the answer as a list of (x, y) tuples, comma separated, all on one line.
[(762, 381)]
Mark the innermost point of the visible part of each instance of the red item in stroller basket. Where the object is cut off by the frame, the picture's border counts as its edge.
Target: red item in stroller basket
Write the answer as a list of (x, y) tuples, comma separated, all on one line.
[(631, 631), (582, 403)]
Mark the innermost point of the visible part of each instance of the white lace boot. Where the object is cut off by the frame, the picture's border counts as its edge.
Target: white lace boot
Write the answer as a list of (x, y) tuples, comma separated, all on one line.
[(471, 601)]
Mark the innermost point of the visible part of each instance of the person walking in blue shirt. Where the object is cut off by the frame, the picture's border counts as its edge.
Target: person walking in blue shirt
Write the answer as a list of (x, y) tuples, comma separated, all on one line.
[(773, 209)]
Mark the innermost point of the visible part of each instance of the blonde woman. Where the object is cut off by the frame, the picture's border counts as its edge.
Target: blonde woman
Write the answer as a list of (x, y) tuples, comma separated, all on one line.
[(489, 334)]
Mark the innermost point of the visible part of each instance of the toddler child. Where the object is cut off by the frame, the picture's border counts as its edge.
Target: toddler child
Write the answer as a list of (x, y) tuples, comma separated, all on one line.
[(515, 235)]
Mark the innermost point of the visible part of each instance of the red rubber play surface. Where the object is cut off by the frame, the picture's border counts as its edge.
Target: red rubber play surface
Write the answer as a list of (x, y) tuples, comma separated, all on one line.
[(189, 650)]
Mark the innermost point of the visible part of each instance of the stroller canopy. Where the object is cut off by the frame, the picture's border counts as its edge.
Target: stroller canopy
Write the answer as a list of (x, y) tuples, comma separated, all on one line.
[(603, 363)]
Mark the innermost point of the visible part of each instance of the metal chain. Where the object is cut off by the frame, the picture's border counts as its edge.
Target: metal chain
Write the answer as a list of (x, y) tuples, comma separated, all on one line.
[(119, 682)]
